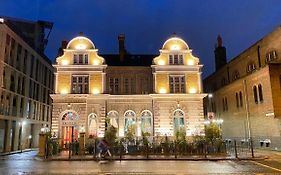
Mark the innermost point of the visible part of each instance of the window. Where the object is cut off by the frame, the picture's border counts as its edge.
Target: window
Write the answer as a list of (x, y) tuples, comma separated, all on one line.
[(260, 93), (176, 59), (237, 100), (80, 84), (179, 125), (130, 122), (80, 59), (251, 67), (271, 56), (177, 84), (92, 124), (241, 99), (224, 104), (146, 122), (255, 94), (235, 75), (223, 81), (113, 85), (113, 119)]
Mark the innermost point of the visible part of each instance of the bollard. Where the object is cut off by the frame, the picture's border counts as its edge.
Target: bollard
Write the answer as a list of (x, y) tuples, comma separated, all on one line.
[(252, 147), (235, 149)]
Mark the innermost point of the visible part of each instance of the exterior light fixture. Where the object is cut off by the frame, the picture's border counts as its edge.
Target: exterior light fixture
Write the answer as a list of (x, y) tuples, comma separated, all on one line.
[(80, 46), (161, 62), (175, 47), (63, 91), (64, 62), (30, 137), (190, 62), (1, 20), (96, 62), (210, 95), (95, 91), (192, 90), (162, 91)]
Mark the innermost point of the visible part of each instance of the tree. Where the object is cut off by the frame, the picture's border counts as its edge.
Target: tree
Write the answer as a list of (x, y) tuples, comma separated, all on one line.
[(212, 133)]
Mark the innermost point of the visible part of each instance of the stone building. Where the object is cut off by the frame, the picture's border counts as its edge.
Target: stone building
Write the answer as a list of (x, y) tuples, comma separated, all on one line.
[(245, 92), (137, 94), (26, 80)]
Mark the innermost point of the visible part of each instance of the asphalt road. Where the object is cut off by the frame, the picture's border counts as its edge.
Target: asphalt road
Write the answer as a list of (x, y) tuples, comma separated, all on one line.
[(27, 163)]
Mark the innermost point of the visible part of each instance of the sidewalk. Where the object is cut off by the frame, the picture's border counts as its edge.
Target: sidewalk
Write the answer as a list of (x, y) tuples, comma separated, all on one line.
[(18, 151)]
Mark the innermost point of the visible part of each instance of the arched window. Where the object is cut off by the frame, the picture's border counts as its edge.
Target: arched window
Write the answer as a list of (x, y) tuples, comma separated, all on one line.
[(251, 67), (113, 119), (69, 116), (92, 124), (255, 94), (241, 99), (178, 116), (271, 56), (260, 93), (130, 122), (235, 75), (237, 100), (146, 122)]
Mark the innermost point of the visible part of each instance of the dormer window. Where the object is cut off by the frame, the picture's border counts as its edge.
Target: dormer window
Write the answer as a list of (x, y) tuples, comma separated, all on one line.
[(251, 67), (271, 56), (80, 59), (176, 59)]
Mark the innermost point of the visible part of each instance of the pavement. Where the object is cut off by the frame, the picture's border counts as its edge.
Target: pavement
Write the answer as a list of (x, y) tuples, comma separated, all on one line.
[(28, 163)]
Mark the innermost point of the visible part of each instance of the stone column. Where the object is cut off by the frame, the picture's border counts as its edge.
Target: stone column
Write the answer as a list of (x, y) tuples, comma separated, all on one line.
[(82, 143)]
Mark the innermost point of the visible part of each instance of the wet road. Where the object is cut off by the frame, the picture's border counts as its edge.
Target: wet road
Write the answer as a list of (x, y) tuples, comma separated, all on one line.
[(27, 163)]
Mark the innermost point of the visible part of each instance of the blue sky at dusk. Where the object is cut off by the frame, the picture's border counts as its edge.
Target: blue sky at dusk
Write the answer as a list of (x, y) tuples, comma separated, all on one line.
[(148, 23)]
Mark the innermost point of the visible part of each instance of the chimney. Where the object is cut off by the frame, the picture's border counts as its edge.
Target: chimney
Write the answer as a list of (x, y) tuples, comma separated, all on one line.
[(63, 46), (122, 50)]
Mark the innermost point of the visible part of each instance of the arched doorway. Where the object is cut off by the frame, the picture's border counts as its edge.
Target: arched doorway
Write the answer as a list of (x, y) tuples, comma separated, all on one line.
[(179, 125), (69, 128), (130, 123), (92, 125), (146, 122)]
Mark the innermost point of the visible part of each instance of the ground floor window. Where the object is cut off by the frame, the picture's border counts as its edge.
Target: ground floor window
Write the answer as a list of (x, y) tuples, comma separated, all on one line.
[(178, 116), (130, 123), (92, 124), (146, 122)]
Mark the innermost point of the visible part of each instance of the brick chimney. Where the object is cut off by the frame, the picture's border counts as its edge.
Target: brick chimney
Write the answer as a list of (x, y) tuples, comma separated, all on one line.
[(122, 50), (63, 46)]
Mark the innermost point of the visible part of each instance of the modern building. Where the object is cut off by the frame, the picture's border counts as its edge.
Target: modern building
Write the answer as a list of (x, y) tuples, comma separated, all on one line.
[(245, 92), (26, 80), (138, 94)]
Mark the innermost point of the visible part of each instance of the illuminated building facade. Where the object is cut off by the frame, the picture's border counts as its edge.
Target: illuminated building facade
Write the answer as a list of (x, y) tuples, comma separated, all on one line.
[(26, 80), (160, 99), (246, 91)]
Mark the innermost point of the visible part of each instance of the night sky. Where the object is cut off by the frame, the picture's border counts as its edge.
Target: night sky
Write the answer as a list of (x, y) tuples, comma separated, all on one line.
[(148, 23)]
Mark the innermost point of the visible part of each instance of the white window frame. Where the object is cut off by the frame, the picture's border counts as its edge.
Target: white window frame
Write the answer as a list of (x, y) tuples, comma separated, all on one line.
[(176, 59), (84, 83), (173, 83), (84, 58)]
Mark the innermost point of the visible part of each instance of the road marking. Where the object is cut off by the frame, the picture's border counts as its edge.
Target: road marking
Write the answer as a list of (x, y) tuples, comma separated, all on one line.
[(261, 164)]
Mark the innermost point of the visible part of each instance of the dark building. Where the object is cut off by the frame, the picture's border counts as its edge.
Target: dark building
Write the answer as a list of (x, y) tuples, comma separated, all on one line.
[(26, 80), (220, 54)]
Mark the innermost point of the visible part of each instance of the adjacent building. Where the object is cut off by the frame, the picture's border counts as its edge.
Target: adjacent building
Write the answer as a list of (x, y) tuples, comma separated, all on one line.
[(246, 91), (159, 95), (26, 80)]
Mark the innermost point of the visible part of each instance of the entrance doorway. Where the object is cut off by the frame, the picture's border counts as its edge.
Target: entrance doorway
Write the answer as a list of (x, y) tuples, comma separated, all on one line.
[(69, 129)]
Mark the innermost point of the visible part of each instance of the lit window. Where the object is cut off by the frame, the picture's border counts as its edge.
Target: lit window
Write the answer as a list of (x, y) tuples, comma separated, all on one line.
[(92, 124), (113, 119), (178, 116), (177, 84), (130, 123), (80, 59), (146, 122), (80, 84), (176, 59)]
